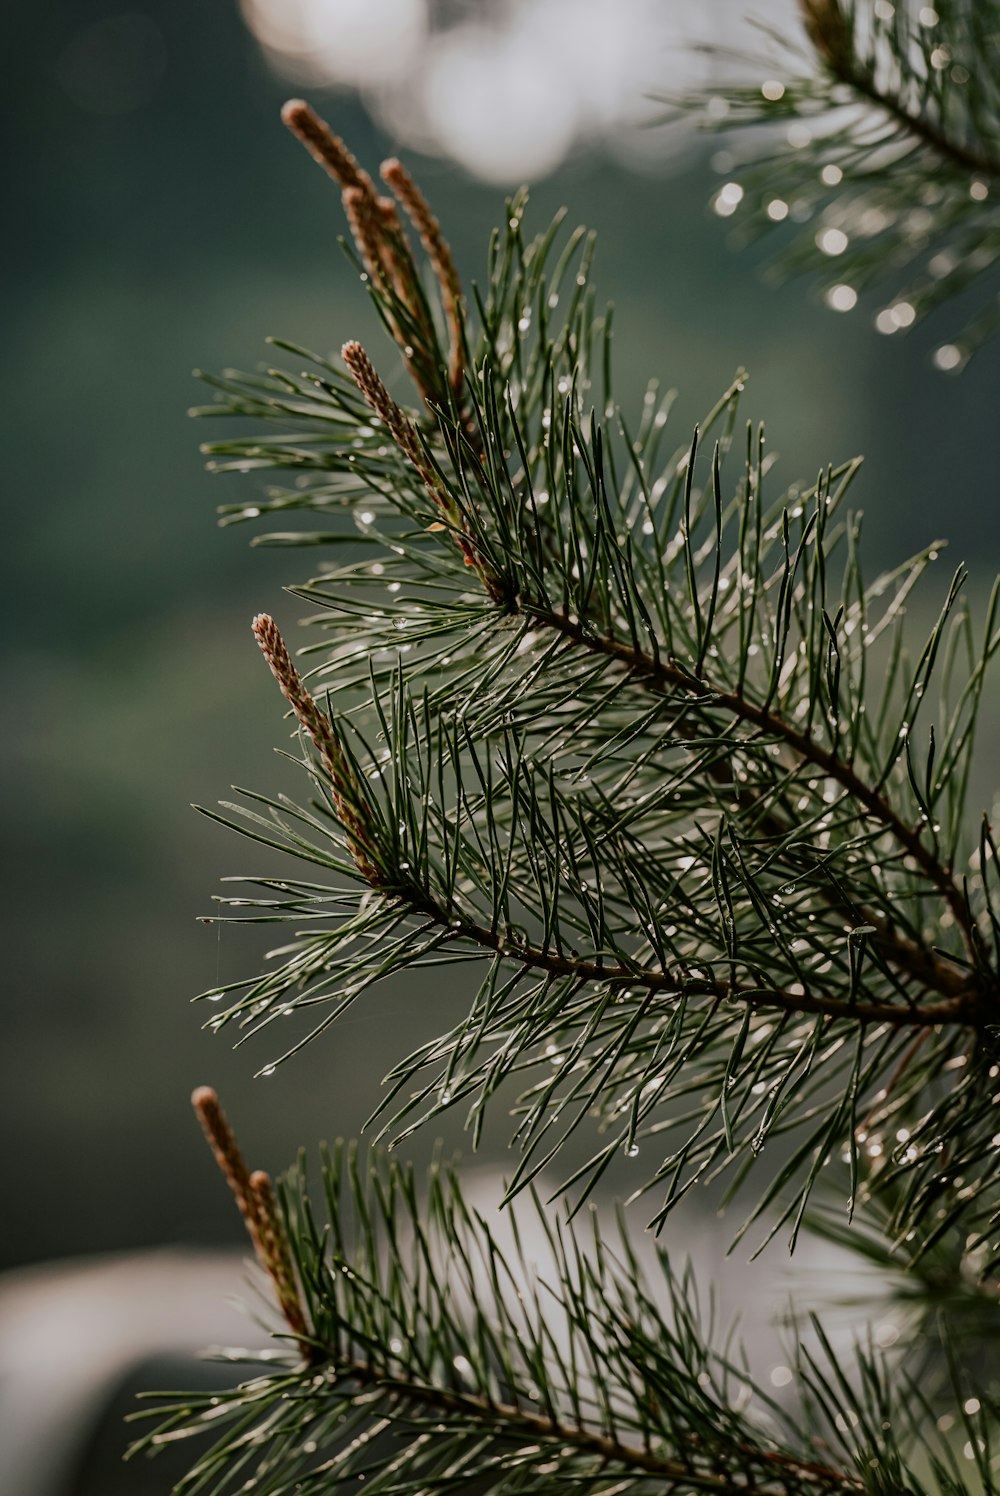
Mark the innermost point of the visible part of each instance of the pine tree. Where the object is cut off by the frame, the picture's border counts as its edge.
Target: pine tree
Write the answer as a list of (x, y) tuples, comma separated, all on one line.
[(632, 734)]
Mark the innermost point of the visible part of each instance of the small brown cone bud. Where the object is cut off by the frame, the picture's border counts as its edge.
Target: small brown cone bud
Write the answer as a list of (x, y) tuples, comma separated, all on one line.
[(256, 1202), (222, 1141), (326, 148), (438, 251), (321, 730), (277, 1256)]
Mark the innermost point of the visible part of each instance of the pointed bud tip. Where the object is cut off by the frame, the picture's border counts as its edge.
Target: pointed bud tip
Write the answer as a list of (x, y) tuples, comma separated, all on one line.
[(259, 1179), (203, 1096), (294, 111)]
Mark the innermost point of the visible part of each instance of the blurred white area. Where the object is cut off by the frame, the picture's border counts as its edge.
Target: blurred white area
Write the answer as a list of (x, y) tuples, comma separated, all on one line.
[(507, 88), (70, 1331)]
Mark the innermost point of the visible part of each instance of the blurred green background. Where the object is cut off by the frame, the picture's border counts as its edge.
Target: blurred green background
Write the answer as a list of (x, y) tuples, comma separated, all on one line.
[(180, 230)]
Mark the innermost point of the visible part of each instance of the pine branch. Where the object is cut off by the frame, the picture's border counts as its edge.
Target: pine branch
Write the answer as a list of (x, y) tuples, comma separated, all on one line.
[(904, 185), (621, 1044), (437, 1360), (663, 676), (596, 721), (669, 677), (834, 32), (634, 762)]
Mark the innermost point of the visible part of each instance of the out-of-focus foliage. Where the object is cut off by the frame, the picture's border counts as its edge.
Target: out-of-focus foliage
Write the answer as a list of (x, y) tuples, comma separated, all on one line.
[(880, 145)]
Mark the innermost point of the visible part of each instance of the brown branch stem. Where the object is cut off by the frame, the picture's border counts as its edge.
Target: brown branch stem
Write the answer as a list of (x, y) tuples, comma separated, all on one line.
[(962, 1009), (956, 152), (667, 675), (833, 36), (607, 1448)]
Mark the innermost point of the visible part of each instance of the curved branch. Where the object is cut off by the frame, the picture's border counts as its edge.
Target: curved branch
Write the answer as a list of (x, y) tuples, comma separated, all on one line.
[(510, 1417), (911, 958), (962, 1009), (923, 129), (834, 35), (667, 676)]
